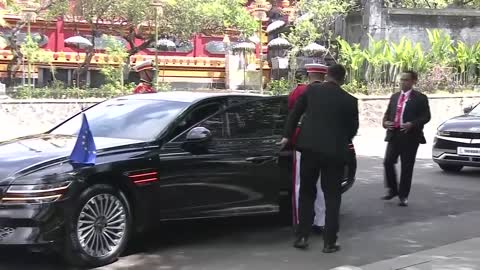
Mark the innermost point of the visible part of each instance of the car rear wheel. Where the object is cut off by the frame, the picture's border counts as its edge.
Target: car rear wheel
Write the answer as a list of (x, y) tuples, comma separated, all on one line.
[(451, 168), (98, 230)]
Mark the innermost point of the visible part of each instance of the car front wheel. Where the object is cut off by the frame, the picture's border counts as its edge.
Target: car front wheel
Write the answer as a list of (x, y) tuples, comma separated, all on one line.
[(99, 228), (451, 168)]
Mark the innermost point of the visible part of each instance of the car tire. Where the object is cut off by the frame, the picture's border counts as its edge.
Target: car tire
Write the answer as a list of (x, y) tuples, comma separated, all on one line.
[(350, 172), (286, 209), (98, 228), (450, 168)]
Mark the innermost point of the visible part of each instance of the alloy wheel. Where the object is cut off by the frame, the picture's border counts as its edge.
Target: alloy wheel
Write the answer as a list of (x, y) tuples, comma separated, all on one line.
[(101, 225)]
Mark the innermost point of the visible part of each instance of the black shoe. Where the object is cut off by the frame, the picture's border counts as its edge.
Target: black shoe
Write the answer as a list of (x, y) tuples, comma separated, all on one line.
[(388, 197), (318, 229), (301, 242), (403, 202), (331, 248)]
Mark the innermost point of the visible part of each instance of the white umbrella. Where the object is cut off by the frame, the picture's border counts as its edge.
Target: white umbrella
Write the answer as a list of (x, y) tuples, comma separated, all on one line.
[(244, 46), (275, 26), (314, 47), (78, 41), (279, 42), (165, 44), (255, 39)]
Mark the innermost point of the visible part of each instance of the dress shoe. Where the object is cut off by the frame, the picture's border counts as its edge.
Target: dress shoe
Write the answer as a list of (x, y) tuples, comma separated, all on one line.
[(301, 242), (331, 248), (388, 197), (318, 229), (403, 202)]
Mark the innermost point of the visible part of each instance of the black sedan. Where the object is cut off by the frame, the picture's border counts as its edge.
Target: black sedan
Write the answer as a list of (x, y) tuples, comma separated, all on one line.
[(159, 157), (457, 142)]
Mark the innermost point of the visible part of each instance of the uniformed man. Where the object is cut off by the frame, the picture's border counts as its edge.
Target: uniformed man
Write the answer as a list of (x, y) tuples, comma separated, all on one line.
[(316, 74), (146, 71)]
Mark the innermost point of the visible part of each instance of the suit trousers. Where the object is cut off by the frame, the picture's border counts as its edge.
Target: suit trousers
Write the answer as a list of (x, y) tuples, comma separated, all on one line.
[(331, 171), (405, 146)]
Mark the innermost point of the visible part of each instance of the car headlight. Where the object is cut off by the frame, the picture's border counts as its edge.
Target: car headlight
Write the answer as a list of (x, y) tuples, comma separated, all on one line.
[(44, 193), (443, 133)]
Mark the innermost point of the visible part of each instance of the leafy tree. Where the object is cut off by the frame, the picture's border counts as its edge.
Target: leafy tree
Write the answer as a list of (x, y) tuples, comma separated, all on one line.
[(115, 50), (48, 8), (315, 23), (180, 19), (33, 54)]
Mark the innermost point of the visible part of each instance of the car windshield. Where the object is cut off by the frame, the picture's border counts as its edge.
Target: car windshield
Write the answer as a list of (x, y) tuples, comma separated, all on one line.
[(475, 111), (140, 119)]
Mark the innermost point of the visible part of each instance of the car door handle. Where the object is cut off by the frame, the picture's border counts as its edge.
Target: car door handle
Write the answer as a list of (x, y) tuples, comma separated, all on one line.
[(259, 159)]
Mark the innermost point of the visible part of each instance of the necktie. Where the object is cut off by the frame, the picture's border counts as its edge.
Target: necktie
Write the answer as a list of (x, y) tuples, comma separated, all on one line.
[(398, 115)]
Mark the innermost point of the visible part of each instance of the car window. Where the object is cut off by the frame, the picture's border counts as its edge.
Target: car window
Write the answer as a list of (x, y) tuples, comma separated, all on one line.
[(256, 119), (126, 119), (262, 118), (475, 111), (235, 100), (195, 116)]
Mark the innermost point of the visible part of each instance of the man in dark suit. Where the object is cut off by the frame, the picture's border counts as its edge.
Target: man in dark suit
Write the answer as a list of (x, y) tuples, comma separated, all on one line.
[(406, 115), (329, 124)]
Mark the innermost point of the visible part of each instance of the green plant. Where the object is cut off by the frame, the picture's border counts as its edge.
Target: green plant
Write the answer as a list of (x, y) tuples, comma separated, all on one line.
[(353, 58), (375, 57), (279, 87), (468, 60), (164, 86), (355, 87), (441, 51), (59, 92)]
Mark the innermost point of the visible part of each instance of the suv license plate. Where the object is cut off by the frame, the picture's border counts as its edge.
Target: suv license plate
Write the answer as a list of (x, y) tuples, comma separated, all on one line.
[(466, 151)]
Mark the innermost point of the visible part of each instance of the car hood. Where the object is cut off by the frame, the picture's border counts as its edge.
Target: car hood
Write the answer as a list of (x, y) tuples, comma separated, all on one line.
[(19, 154), (464, 123)]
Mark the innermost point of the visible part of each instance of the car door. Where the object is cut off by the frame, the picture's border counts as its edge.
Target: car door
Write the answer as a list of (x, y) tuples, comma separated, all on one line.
[(237, 174), (258, 126)]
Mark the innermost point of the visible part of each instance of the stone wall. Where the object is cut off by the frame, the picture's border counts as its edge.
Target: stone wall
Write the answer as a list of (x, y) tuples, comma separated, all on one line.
[(25, 117), (441, 107), (394, 23)]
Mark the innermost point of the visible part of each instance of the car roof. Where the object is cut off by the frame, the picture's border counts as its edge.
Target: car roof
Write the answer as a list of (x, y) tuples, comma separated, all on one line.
[(186, 96)]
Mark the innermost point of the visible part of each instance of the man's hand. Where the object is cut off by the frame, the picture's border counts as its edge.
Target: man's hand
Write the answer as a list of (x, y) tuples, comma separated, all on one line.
[(388, 125), (283, 142), (406, 127)]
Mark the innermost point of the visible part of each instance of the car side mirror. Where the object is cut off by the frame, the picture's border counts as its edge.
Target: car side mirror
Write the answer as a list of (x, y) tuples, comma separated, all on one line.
[(468, 109), (197, 140)]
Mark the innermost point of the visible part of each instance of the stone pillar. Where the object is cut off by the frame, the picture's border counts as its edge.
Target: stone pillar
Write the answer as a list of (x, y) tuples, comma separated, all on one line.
[(236, 75), (227, 69), (2, 91), (373, 21)]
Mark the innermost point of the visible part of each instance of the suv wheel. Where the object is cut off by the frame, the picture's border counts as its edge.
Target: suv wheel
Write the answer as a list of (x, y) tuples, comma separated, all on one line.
[(451, 168), (98, 230)]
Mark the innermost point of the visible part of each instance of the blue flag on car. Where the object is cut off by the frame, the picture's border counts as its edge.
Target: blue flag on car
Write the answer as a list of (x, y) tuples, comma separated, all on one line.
[(84, 152)]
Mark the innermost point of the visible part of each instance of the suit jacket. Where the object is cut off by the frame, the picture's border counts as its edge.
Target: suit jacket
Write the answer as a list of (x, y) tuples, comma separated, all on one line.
[(417, 111), (330, 120)]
